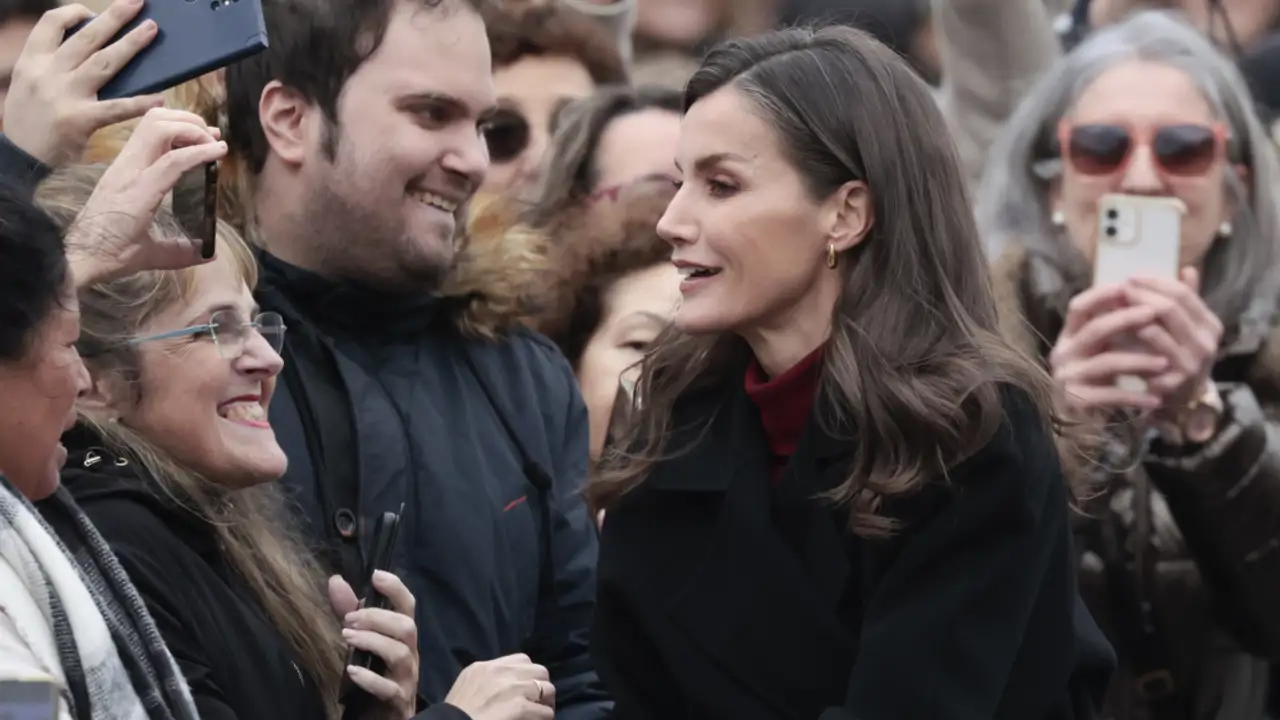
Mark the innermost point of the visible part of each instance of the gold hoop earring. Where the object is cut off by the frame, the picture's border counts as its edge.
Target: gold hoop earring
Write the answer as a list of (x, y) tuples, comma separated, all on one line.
[(832, 260)]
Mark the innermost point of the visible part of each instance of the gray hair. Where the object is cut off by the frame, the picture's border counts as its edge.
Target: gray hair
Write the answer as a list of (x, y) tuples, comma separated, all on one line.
[(1013, 204)]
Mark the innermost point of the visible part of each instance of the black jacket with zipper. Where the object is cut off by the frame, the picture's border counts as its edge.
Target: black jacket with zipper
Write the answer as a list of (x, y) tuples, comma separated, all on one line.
[(236, 663)]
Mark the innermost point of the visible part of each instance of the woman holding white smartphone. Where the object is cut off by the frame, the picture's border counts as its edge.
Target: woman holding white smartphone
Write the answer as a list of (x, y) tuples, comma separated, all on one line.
[(1131, 209)]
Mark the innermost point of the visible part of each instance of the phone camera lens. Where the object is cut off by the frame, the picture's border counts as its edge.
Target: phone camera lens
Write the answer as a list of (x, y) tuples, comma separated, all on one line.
[(1112, 214), (215, 4), (1111, 231)]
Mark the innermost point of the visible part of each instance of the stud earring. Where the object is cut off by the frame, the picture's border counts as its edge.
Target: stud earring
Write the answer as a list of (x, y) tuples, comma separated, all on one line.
[(1058, 219), (1225, 229), (832, 260)]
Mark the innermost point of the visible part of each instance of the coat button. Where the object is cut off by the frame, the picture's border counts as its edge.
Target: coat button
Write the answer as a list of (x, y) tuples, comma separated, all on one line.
[(345, 521)]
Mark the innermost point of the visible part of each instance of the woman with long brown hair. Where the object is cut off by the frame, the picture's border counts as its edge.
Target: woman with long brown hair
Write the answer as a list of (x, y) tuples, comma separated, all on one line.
[(174, 461), (841, 494)]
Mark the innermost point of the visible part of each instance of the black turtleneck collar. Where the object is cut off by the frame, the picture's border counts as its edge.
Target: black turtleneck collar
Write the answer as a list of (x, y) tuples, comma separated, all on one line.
[(352, 308)]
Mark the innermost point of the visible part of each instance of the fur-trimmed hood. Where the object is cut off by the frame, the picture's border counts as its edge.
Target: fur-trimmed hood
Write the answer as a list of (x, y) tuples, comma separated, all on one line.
[(519, 274), (502, 266)]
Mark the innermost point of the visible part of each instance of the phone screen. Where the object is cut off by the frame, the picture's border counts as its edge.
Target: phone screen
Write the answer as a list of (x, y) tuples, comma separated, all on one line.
[(195, 205), (28, 700)]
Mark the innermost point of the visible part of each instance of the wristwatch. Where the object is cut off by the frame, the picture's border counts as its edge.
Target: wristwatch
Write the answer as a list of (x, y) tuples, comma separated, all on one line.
[(1198, 422)]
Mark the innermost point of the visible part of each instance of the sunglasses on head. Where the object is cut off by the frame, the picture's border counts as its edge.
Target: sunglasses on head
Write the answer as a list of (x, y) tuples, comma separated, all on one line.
[(1179, 150), (507, 135)]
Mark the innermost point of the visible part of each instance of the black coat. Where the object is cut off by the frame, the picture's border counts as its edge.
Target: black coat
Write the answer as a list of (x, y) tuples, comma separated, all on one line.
[(721, 597), (238, 666), (496, 544), (236, 663)]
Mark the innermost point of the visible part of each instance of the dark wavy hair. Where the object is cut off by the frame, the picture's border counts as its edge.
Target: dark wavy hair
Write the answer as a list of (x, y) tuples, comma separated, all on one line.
[(33, 271), (572, 171), (316, 46), (915, 362)]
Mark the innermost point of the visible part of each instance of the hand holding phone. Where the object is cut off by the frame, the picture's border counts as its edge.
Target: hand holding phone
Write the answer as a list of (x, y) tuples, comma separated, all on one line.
[(53, 105), (1138, 236), (113, 233), (354, 699), (1098, 361)]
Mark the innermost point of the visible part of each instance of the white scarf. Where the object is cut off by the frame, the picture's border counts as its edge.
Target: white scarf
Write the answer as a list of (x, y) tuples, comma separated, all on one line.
[(51, 599)]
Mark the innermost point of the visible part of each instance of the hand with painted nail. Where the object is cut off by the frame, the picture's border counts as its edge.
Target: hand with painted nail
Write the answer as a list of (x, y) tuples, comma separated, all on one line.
[(389, 634), (1184, 331), (1093, 351), (53, 107)]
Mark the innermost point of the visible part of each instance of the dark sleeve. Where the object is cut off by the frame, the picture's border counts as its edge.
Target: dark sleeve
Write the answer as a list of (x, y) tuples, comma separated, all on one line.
[(563, 623), (149, 552), (961, 596), (1225, 497), (19, 168)]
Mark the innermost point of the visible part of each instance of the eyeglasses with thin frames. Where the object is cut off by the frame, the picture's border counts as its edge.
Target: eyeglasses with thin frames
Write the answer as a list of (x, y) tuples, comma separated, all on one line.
[(229, 332)]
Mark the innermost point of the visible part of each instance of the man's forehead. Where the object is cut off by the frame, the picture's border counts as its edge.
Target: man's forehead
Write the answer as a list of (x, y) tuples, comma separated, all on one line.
[(441, 52)]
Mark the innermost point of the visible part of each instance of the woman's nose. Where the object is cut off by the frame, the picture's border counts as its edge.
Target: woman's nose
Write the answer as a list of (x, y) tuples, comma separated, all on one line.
[(259, 357), (1142, 176), (84, 382), (675, 226)]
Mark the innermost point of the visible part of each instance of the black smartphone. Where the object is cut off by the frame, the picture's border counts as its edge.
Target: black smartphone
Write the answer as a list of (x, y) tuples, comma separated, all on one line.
[(386, 534), (195, 205), (28, 700), (195, 37)]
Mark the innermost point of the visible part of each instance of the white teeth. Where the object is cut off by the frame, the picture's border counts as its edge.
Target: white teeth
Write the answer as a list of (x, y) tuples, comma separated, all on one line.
[(436, 201), (251, 412)]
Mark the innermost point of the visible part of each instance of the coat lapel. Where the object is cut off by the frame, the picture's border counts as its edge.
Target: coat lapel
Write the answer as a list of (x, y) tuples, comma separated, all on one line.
[(754, 603), (816, 530)]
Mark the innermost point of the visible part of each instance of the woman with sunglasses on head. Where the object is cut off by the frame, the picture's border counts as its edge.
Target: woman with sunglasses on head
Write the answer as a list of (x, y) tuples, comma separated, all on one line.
[(838, 493), (174, 462), (1180, 552), (543, 57)]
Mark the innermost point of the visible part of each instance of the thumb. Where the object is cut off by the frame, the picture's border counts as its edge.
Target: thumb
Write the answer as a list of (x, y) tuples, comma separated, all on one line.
[(1191, 278), (342, 598)]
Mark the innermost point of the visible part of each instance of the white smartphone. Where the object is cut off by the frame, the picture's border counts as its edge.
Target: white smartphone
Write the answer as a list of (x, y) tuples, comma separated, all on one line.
[(28, 700), (1137, 235)]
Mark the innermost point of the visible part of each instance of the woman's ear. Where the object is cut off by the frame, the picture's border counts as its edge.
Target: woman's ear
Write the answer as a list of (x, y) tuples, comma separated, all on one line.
[(1232, 203), (105, 400), (852, 215)]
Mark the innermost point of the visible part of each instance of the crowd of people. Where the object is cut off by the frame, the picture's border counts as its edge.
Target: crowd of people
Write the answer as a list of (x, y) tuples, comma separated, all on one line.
[(734, 360)]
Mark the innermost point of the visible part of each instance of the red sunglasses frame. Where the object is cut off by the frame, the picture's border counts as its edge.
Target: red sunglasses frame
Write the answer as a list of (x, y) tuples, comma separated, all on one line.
[(1141, 136)]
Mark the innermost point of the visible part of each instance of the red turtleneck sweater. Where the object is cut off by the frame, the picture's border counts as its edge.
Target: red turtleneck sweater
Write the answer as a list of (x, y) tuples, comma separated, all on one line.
[(785, 403)]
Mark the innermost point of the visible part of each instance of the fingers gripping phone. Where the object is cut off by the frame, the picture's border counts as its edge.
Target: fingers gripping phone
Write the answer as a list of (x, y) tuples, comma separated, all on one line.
[(386, 534), (194, 37), (28, 700), (1137, 235), (195, 206)]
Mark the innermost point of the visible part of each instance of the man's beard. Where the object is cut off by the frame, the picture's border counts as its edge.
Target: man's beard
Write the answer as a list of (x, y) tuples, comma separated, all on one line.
[(371, 247)]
